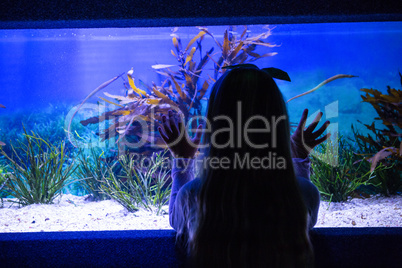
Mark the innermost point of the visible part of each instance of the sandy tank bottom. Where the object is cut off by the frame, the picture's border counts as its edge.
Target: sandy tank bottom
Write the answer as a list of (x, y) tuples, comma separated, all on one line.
[(73, 213)]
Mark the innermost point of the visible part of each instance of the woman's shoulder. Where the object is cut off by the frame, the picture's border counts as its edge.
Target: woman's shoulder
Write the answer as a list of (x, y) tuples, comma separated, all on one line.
[(188, 193), (305, 184)]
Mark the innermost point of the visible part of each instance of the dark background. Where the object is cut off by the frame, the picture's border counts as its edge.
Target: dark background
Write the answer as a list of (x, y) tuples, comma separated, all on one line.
[(128, 13)]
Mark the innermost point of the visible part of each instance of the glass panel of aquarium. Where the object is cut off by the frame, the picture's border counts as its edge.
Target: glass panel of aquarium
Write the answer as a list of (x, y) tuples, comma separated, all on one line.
[(80, 109)]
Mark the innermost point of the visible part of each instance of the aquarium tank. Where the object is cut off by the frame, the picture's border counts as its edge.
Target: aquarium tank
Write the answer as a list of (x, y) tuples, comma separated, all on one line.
[(79, 109)]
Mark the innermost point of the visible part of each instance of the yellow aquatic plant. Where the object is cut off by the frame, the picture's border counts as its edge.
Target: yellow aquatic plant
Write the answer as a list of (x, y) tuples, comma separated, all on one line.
[(388, 141), (181, 89)]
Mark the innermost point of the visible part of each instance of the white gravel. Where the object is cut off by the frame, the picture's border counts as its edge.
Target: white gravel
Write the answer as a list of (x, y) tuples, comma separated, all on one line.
[(376, 211), (73, 213)]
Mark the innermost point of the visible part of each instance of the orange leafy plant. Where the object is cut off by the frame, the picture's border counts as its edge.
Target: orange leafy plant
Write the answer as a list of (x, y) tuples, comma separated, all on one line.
[(384, 145), (388, 141), (182, 89)]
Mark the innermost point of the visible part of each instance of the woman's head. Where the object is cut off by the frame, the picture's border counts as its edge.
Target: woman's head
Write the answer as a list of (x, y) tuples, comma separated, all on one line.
[(250, 211), (247, 113)]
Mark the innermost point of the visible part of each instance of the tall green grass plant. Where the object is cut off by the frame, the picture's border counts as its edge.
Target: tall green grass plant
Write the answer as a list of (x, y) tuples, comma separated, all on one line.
[(337, 171), (92, 171), (37, 170), (136, 186)]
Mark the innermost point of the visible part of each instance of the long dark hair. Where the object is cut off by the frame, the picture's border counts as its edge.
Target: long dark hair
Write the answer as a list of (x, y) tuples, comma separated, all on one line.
[(249, 216)]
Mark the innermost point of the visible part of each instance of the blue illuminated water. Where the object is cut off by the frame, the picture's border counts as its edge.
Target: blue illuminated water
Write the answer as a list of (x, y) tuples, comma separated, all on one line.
[(62, 66)]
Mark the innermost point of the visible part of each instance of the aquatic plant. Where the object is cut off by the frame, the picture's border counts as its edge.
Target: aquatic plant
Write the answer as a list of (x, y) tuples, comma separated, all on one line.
[(388, 181), (38, 170), (2, 143), (3, 190), (144, 183), (2, 179), (384, 145), (48, 123), (335, 172), (91, 172), (183, 88)]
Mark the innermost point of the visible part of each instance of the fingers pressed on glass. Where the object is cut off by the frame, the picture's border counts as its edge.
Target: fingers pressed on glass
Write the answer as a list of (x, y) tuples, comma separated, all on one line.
[(302, 122), (180, 125), (163, 135), (322, 139), (321, 129), (315, 122), (198, 134), (175, 122), (166, 125), (173, 125)]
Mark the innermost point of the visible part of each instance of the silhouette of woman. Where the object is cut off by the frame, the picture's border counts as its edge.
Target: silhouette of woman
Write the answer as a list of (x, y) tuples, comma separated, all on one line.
[(253, 205)]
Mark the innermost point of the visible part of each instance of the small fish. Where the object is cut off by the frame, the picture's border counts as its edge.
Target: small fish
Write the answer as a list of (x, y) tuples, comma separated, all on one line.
[(2, 106)]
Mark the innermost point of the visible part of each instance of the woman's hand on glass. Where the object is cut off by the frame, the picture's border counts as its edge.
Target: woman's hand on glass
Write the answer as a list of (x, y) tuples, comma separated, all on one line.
[(176, 138), (303, 140)]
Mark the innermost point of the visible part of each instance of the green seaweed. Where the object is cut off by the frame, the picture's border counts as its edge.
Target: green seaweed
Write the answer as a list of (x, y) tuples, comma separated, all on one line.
[(37, 170), (182, 89), (3, 189), (147, 186), (384, 145), (91, 172), (48, 123), (388, 181), (337, 171)]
